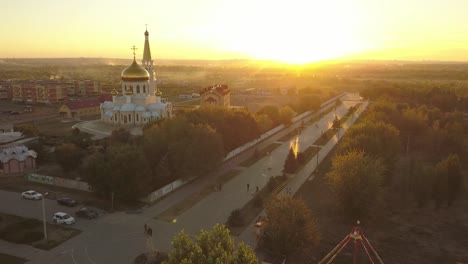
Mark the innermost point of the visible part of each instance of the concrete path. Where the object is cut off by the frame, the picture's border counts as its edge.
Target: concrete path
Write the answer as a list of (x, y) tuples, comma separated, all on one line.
[(248, 236), (19, 250)]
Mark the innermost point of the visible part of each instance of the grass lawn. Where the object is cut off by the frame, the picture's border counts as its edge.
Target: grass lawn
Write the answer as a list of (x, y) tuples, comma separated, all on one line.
[(307, 155), (53, 126), (289, 135), (20, 230), (260, 154), (173, 212), (9, 259), (317, 118), (322, 140)]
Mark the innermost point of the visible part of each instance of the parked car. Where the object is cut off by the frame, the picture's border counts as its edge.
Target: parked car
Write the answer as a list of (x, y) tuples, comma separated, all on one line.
[(63, 218), (33, 195), (66, 201), (86, 213)]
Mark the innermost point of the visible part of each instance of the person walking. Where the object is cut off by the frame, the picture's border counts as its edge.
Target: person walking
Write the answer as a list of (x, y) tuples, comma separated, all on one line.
[(248, 187), (146, 228)]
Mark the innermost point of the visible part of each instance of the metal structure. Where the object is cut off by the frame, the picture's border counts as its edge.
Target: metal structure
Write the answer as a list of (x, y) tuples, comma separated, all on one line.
[(360, 241)]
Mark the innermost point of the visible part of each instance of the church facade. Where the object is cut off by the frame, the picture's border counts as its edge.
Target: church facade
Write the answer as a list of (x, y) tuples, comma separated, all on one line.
[(139, 101)]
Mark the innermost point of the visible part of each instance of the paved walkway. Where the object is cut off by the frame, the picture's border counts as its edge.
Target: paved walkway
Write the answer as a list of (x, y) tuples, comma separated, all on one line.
[(248, 236), (19, 250), (217, 207)]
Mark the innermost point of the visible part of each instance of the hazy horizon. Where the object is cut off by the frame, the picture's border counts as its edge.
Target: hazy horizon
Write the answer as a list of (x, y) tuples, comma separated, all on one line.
[(297, 32)]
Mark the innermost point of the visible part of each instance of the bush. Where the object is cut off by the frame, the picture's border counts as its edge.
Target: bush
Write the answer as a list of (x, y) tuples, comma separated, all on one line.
[(275, 181), (235, 219), (143, 259), (258, 201)]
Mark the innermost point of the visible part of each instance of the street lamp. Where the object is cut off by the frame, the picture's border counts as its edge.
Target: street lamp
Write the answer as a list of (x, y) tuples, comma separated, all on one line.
[(318, 151), (43, 217)]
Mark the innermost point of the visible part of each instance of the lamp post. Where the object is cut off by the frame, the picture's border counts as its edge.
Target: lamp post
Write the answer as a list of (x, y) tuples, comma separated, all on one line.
[(43, 217), (318, 151)]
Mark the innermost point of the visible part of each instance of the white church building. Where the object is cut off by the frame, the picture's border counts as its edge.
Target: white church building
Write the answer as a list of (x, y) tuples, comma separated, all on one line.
[(139, 100)]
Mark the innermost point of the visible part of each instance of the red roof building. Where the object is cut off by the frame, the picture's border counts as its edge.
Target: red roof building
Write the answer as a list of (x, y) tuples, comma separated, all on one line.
[(217, 95), (80, 108)]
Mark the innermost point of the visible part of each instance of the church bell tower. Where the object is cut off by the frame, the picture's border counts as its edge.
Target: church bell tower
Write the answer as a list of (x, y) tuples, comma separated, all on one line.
[(147, 63)]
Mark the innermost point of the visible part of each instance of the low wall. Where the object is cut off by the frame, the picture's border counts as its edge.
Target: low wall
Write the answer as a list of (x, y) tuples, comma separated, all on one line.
[(163, 191), (253, 142), (56, 181), (277, 129)]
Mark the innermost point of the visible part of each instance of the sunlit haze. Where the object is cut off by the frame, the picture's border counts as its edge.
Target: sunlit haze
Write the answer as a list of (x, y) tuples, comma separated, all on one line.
[(295, 31)]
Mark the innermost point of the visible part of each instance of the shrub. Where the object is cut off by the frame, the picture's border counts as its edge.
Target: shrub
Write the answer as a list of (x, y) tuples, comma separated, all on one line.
[(258, 201), (235, 219)]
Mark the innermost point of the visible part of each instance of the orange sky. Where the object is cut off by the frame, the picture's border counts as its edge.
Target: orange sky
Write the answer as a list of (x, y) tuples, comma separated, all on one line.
[(294, 31)]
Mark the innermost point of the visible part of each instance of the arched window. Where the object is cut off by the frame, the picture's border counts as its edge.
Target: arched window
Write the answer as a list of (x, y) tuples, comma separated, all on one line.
[(129, 118), (144, 88), (137, 118), (138, 88)]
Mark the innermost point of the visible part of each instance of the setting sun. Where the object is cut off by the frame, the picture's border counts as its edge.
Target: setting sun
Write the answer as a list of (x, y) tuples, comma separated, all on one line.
[(296, 31), (304, 32)]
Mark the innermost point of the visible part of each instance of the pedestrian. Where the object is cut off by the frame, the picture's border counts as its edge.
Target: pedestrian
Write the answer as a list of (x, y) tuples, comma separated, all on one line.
[(150, 231), (146, 228), (257, 189), (248, 187)]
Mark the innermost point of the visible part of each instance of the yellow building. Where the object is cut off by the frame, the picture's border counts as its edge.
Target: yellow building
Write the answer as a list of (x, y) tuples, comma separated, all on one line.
[(80, 108), (217, 95)]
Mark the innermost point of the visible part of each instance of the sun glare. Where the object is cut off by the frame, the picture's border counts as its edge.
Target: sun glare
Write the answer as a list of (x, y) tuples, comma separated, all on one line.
[(301, 32)]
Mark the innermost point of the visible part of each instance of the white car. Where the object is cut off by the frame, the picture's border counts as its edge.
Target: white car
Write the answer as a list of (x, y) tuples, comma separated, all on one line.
[(33, 195), (63, 218)]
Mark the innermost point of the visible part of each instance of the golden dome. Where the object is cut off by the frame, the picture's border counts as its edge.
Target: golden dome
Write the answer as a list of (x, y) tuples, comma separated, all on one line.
[(134, 72)]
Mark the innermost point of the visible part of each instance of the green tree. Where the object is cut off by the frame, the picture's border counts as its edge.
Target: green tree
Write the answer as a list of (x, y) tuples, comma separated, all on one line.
[(69, 156), (43, 154), (308, 103), (290, 229), (374, 138), (121, 136), (122, 170), (272, 112), (264, 123), (448, 182), (356, 179), (197, 154), (291, 163), (412, 123), (210, 247), (286, 115), (236, 127), (78, 138), (336, 123)]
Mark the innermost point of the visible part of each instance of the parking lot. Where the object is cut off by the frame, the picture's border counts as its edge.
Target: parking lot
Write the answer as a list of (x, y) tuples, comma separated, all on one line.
[(13, 203)]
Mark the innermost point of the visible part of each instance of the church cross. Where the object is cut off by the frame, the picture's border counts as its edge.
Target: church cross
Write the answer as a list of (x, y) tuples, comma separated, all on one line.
[(134, 51)]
